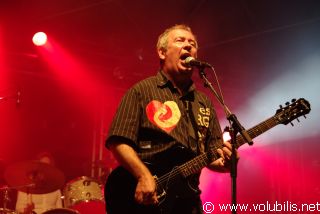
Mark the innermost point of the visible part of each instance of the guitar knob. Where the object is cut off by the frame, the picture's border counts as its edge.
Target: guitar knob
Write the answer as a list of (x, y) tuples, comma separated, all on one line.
[(280, 106), (293, 100), (287, 103)]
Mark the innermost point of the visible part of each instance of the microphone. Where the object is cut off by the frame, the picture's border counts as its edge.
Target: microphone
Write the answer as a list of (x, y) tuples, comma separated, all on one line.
[(192, 62)]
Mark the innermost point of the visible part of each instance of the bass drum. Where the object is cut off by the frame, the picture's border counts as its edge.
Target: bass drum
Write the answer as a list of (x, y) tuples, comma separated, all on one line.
[(61, 211), (85, 195), (7, 211)]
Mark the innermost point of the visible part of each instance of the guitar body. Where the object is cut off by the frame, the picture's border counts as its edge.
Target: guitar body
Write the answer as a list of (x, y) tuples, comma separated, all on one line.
[(120, 186)]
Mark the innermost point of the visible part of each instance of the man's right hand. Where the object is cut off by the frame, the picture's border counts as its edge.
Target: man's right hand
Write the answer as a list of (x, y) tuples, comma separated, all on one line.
[(128, 158), (146, 190)]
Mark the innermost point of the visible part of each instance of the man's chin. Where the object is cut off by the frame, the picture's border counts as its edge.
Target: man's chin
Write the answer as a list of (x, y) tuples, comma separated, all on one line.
[(186, 73), (185, 68)]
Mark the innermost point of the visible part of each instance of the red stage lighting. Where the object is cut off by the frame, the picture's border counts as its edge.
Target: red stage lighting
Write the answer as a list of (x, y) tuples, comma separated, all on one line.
[(39, 39)]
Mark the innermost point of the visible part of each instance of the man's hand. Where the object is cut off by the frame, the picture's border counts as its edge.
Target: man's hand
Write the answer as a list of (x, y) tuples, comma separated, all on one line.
[(146, 186), (222, 164), (146, 190)]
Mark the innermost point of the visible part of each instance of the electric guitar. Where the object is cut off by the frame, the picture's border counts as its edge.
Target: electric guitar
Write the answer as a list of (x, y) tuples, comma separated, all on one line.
[(177, 166)]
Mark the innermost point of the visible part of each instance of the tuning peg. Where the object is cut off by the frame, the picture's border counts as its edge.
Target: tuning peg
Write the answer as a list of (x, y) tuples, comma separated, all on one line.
[(305, 116), (293, 100), (291, 124), (280, 106), (298, 120), (287, 103)]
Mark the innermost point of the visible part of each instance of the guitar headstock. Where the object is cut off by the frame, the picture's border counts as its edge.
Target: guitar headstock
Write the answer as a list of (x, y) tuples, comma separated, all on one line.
[(292, 111)]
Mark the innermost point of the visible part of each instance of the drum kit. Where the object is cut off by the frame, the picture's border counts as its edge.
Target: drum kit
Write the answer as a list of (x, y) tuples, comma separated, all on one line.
[(82, 195)]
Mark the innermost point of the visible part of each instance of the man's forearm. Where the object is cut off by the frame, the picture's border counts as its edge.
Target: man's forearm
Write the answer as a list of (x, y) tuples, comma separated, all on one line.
[(129, 159)]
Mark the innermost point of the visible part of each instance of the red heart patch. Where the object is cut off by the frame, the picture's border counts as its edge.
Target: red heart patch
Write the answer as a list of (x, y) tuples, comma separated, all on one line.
[(164, 115)]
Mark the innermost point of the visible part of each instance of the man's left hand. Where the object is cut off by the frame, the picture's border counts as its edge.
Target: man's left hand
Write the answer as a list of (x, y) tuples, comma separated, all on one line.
[(222, 164)]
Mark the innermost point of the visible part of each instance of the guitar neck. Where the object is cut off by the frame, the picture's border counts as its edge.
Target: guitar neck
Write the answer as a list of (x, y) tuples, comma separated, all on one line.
[(196, 164), (258, 130), (284, 115)]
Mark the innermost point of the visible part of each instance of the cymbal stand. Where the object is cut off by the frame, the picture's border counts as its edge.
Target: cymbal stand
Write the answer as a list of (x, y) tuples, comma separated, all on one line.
[(6, 197)]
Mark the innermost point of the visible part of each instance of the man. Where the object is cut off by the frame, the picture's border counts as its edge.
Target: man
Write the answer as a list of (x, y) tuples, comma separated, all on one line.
[(156, 115)]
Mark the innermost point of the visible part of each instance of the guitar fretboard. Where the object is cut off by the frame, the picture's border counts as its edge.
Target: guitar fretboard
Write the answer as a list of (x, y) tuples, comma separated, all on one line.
[(284, 115), (196, 164)]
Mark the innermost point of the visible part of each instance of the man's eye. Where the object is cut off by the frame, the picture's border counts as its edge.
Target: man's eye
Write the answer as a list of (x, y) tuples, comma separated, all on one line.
[(192, 43)]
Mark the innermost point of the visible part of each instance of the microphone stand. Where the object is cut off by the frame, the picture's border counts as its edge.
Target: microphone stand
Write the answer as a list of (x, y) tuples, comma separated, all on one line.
[(235, 128)]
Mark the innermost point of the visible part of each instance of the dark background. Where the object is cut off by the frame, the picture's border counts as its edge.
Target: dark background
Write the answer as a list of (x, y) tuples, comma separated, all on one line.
[(264, 52)]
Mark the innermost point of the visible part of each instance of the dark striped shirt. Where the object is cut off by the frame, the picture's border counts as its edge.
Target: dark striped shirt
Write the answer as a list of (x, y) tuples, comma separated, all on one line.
[(153, 116)]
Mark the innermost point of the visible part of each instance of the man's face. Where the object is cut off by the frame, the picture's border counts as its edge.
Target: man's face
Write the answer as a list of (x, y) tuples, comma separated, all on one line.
[(181, 44)]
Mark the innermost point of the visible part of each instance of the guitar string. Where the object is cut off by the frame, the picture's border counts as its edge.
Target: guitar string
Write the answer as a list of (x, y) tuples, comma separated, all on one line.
[(269, 123), (184, 167), (177, 170), (174, 172)]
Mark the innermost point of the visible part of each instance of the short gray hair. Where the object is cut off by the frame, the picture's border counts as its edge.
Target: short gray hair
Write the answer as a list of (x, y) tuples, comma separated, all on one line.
[(163, 38)]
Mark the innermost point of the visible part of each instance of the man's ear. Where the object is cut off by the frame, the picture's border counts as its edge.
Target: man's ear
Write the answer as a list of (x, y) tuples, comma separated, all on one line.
[(162, 53)]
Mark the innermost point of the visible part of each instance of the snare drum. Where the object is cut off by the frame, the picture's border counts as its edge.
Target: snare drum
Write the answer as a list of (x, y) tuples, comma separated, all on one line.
[(61, 211), (85, 195)]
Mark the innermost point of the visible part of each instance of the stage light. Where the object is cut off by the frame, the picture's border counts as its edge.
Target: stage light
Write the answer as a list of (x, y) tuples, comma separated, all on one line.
[(39, 38), (226, 136)]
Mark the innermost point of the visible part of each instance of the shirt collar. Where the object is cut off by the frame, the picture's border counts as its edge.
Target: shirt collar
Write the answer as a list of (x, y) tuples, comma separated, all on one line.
[(163, 81)]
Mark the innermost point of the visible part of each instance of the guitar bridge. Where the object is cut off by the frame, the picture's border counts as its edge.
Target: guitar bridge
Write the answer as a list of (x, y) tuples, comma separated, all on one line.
[(163, 193)]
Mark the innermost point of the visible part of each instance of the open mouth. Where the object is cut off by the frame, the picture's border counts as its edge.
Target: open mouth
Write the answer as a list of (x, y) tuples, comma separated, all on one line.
[(183, 57)]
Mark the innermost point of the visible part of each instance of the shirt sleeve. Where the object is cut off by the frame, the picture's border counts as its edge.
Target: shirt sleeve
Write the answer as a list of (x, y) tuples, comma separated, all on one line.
[(127, 119)]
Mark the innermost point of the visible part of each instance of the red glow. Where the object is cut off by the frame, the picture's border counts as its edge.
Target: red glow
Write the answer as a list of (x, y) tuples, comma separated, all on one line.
[(73, 75), (9, 123), (3, 78), (280, 168)]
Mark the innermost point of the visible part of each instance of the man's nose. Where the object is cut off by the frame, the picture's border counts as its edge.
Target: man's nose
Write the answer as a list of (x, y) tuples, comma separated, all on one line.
[(187, 46)]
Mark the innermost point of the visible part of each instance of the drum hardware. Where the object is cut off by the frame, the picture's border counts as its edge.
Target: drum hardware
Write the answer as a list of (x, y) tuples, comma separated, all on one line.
[(6, 199), (34, 177), (100, 170), (85, 195), (61, 211), (7, 211)]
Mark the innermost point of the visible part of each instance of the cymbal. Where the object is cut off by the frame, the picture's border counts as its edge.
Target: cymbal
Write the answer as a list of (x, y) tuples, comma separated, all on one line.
[(34, 177)]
